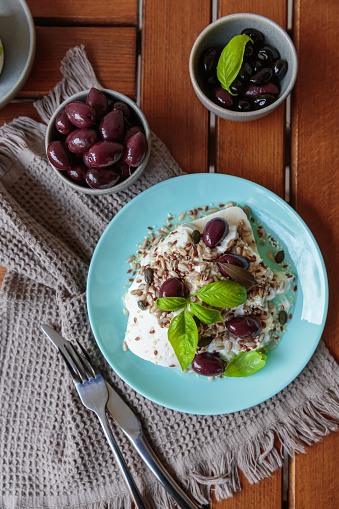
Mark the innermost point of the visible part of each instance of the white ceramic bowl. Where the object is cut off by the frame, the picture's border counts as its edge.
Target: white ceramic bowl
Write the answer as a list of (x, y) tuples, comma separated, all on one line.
[(18, 37), (218, 34), (52, 134)]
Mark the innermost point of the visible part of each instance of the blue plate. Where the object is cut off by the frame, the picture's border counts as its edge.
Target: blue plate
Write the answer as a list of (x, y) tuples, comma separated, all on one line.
[(187, 392)]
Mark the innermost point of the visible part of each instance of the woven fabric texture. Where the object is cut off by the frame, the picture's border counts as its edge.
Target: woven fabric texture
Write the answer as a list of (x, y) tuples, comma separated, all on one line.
[(53, 453)]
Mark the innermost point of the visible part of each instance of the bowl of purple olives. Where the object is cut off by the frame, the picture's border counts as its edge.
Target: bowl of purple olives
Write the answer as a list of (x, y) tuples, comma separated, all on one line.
[(98, 141), (243, 66)]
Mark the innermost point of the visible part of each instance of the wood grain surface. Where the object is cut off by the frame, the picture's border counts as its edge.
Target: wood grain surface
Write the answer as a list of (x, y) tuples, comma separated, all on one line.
[(167, 97), (85, 11), (315, 195), (254, 150), (111, 50)]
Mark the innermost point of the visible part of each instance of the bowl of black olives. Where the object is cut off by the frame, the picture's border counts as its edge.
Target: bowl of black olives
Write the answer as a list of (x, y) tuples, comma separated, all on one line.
[(243, 66), (98, 141)]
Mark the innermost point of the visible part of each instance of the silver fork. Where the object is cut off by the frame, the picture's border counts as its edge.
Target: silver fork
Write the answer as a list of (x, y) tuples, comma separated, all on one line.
[(93, 392)]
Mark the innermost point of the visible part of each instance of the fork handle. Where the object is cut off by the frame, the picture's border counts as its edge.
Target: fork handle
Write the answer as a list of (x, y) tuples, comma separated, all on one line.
[(123, 467)]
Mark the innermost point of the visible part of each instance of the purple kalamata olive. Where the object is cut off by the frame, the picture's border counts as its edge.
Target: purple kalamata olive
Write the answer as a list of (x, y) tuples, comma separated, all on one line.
[(85, 159), (173, 287), (208, 364), (81, 140), (215, 231), (102, 178), (280, 69), (263, 100), (97, 100), (244, 326), (104, 154), (253, 91), (78, 172), (80, 114), (136, 149), (262, 77), (233, 259), (59, 155), (223, 98), (132, 130), (62, 123), (119, 105), (125, 170), (112, 126)]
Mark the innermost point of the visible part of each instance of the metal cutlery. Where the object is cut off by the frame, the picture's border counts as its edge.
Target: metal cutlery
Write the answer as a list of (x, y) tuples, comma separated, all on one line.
[(97, 395)]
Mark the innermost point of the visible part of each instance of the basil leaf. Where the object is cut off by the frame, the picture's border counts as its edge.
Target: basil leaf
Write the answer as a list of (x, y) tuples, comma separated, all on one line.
[(231, 59), (170, 303), (245, 364), (183, 336), (206, 315), (223, 294)]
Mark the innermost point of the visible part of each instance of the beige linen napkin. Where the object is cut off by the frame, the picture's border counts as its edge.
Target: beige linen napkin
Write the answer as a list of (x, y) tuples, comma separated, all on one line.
[(53, 453)]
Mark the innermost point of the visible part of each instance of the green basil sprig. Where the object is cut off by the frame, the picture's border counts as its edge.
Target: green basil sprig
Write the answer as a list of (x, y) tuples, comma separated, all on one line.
[(245, 364), (223, 294), (183, 331), (231, 60), (171, 303), (183, 336), (206, 315)]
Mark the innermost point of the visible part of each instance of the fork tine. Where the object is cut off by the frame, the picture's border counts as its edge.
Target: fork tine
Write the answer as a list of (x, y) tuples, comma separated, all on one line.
[(78, 362), (74, 375), (89, 362)]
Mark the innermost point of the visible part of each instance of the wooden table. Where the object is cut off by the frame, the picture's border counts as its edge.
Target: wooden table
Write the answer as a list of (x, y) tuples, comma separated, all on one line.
[(143, 51)]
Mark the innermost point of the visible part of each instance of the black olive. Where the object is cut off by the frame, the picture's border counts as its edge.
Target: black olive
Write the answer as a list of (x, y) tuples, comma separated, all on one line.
[(268, 54), (256, 36), (244, 105), (262, 77), (245, 72), (237, 87), (280, 69), (263, 100)]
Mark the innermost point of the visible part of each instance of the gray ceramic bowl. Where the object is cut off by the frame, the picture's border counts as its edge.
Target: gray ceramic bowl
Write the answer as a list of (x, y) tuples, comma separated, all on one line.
[(18, 37), (218, 34), (52, 134)]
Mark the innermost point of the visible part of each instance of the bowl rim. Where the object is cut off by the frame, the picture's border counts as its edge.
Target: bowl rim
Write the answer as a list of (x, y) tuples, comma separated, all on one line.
[(30, 58), (237, 115), (137, 173)]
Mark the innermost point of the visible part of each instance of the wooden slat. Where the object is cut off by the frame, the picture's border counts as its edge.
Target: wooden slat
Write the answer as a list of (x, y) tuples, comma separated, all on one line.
[(254, 150), (2, 275), (167, 97), (111, 50), (263, 495), (315, 196), (86, 11), (17, 109)]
